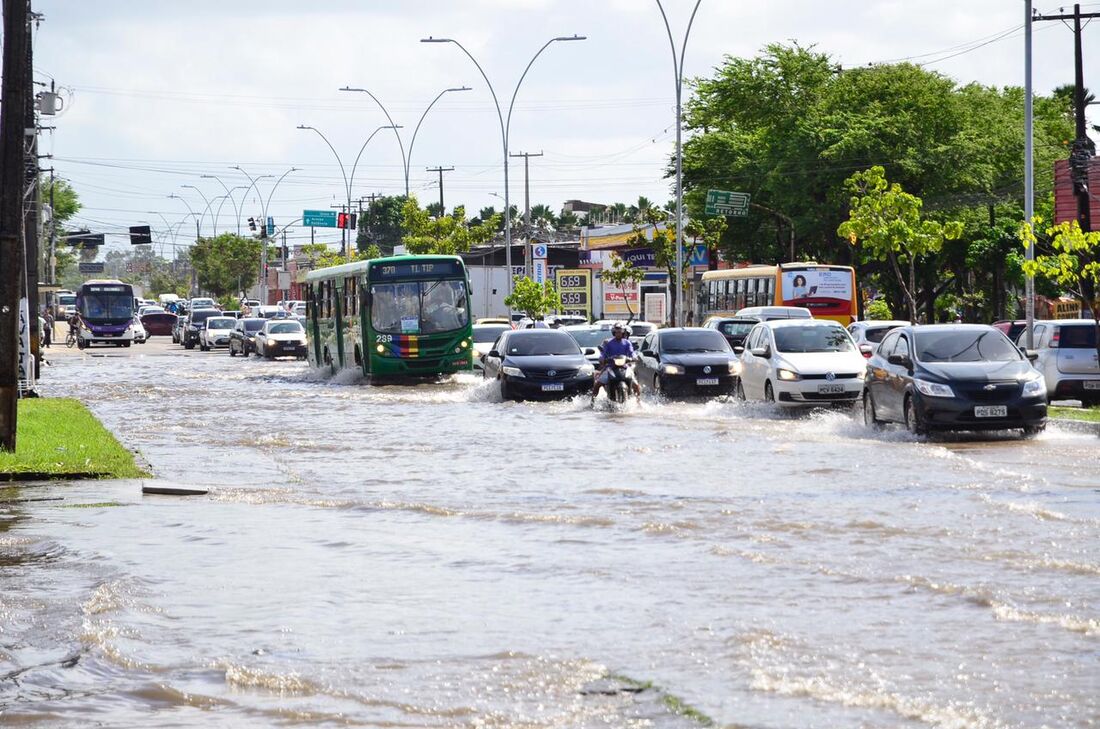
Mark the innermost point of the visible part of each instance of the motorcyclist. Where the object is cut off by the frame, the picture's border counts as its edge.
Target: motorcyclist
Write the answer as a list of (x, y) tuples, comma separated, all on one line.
[(617, 346)]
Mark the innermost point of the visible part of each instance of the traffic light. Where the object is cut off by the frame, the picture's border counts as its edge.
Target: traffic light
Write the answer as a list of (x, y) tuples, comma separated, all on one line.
[(345, 220), (252, 224)]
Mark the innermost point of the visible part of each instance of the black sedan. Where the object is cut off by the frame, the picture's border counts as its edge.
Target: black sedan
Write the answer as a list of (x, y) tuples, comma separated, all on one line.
[(538, 364), (953, 377), (688, 361), (242, 340)]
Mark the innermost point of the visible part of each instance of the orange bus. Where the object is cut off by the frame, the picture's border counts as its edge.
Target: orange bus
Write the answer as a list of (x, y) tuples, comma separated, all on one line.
[(828, 291)]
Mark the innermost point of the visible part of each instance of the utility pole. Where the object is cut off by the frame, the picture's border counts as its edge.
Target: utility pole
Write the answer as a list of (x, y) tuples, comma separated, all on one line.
[(440, 170), (528, 264), (32, 259), (13, 92), (1083, 150), (1029, 175)]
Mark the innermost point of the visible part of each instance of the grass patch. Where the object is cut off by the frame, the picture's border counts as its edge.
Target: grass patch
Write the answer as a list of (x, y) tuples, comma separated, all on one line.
[(1090, 415), (60, 438)]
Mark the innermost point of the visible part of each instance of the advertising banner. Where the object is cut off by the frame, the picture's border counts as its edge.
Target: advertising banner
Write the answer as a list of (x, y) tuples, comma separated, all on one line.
[(575, 287), (799, 286), (26, 357), (656, 308), (617, 303)]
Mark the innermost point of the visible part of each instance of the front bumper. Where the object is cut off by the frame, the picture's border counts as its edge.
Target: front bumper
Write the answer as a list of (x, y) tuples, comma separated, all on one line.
[(531, 388), (285, 349), (689, 384), (809, 393), (957, 413)]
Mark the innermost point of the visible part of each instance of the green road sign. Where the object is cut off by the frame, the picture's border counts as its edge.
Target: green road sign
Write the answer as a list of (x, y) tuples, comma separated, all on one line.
[(721, 202), (319, 218)]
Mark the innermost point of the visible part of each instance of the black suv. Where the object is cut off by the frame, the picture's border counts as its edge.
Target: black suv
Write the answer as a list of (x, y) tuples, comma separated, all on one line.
[(195, 321)]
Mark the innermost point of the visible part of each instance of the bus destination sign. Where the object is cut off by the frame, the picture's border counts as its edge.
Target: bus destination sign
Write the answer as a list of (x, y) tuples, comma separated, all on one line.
[(415, 269)]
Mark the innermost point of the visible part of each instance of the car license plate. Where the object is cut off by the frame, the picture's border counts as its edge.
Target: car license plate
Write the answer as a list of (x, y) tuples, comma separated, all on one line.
[(1092, 384), (830, 389), (707, 381), (991, 411), (553, 387)]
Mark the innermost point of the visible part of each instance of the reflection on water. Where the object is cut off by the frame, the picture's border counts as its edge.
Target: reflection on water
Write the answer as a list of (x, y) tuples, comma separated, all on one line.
[(431, 556)]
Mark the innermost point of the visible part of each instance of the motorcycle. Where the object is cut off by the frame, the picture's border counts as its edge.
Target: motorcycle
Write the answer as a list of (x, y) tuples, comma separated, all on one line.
[(620, 379)]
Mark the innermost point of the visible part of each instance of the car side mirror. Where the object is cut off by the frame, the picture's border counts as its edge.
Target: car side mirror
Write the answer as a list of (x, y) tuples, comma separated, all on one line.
[(493, 353), (648, 353), (738, 349), (901, 360), (1031, 354), (765, 352)]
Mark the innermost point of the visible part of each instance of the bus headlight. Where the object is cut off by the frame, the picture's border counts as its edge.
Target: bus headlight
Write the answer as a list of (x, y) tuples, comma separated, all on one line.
[(380, 349), (464, 344)]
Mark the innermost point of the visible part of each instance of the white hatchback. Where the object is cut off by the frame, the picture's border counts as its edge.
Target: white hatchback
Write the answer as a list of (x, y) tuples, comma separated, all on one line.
[(801, 363)]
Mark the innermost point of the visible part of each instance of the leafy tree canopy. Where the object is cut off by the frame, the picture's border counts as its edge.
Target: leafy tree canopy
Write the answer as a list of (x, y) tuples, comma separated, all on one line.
[(447, 235), (530, 298), (226, 263)]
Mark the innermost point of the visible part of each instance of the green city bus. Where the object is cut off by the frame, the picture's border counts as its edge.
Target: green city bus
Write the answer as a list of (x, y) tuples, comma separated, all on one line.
[(396, 317)]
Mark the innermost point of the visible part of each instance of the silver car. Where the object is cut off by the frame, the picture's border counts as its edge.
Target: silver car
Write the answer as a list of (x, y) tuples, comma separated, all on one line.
[(1066, 355)]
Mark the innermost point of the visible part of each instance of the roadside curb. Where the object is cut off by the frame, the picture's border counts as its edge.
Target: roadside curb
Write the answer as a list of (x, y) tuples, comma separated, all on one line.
[(1077, 426)]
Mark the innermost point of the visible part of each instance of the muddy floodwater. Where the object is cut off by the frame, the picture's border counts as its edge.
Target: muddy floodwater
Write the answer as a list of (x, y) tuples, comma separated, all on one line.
[(432, 557)]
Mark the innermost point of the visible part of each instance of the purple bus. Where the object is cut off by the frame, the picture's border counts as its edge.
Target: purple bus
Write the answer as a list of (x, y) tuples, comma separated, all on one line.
[(106, 310)]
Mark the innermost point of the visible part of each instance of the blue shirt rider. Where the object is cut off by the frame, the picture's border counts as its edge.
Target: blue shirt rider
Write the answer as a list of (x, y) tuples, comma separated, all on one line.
[(617, 346)]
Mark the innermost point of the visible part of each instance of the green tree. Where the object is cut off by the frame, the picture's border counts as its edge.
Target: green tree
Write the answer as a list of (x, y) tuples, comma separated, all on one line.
[(448, 235), (624, 276), (542, 217), (169, 279), (567, 221), (663, 245), (381, 224), (878, 310), (226, 263), (887, 221), (1071, 261), (530, 298)]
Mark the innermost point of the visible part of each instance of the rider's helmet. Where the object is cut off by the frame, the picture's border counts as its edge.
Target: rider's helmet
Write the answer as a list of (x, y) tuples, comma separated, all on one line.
[(616, 327)]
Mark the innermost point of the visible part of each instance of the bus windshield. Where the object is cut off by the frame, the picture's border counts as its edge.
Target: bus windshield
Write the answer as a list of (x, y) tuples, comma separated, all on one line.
[(419, 307), (111, 303)]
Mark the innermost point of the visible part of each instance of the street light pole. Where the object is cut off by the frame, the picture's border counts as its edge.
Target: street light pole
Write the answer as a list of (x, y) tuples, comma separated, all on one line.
[(230, 194), (505, 126), (678, 69), (263, 212), (406, 159), (1029, 178), (205, 200)]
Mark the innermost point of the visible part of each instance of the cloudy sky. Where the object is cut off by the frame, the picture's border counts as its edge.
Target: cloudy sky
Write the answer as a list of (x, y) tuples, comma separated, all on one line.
[(160, 93)]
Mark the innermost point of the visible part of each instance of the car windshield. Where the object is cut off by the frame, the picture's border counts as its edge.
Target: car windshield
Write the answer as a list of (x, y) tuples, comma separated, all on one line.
[(487, 334), (419, 307), (253, 325), (877, 334), (590, 337), (703, 340), (640, 330), (538, 342), (220, 323), (964, 345), (736, 328), (1077, 337), (801, 339), (198, 317), (285, 327)]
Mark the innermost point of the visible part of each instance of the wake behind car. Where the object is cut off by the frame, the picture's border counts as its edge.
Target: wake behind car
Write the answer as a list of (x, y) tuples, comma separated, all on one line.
[(538, 364), (242, 338), (953, 377), (801, 363), (687, 361), (215, 332), (281, 338)]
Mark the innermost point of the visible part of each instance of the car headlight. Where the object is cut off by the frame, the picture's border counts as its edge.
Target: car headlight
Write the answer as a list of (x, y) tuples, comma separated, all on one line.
[(787, 375), (735, 367), (933, 389), (861, 374), (1035, 387), (512, 371), (671, 369), (586, 371)]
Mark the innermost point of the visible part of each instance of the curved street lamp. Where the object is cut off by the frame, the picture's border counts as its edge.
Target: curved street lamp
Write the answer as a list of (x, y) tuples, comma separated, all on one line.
[(678, 70), (206, 200), (406, 159), (348, 181), (505, 127), (263, 211), (189, 212), (230, 194)]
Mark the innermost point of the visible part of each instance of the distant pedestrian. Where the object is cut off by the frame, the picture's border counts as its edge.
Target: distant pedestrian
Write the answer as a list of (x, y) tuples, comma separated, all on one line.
[(540, 323), (47, 332)]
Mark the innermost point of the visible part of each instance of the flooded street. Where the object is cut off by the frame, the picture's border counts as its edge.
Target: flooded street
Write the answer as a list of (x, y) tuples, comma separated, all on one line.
[(430, 556)]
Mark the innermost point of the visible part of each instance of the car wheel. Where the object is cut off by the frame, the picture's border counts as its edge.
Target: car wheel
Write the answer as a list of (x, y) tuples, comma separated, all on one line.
[(912, 420), (741, 390), (1030, 431), (244, 350), (657, 385), (505, 391), (232, 352), (189, 345), (769, 394), (870, 419)]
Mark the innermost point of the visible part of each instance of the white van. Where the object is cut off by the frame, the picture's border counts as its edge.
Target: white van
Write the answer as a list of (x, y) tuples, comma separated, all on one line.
[(769, 313), (166, 299)]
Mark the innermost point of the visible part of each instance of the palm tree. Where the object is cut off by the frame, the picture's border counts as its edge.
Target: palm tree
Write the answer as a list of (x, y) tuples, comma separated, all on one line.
[(567, 220), (620, 211), (542, 216)]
